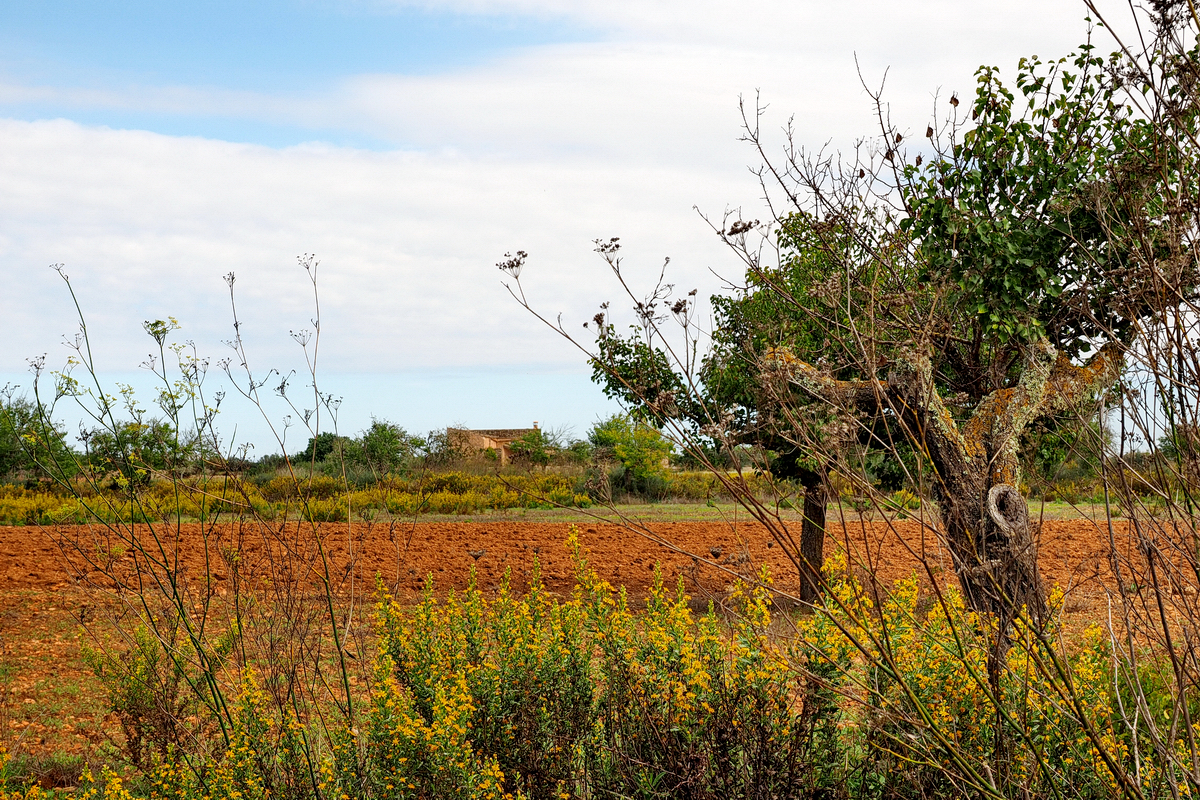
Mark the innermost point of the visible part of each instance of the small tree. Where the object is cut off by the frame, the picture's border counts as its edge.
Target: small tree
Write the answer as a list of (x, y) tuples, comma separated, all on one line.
[(637, 446), (139, 449), (383, 447), (321, 447), (26, 440), (534, 448)]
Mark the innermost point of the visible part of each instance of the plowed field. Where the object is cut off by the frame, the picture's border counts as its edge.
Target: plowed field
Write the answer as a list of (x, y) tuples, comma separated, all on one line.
[(51, 579), (1073, 553)]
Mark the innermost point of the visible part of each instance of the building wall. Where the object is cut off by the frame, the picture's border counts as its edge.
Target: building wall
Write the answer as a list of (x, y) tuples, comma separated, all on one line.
[(495, 439)]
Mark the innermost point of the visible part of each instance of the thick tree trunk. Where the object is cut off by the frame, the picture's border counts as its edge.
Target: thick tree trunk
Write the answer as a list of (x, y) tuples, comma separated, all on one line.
[(812, 534), (994, 553), (976, 472), (976, 468)]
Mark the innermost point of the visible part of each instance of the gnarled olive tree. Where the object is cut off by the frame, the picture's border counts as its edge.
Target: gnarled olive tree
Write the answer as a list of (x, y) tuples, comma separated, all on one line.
[(995, 277), (937, 303)]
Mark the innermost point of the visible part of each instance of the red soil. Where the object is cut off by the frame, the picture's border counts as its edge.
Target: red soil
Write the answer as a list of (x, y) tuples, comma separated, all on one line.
[(1073, 553), (52, 579)]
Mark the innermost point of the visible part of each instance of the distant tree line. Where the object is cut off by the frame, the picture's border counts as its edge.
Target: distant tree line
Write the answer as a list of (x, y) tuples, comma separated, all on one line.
[(623, 454), (623, 451)]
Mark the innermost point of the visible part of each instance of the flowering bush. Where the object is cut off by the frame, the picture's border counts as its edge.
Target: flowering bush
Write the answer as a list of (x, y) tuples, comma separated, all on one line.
[(920, 699), (876, 693), (563, 698)]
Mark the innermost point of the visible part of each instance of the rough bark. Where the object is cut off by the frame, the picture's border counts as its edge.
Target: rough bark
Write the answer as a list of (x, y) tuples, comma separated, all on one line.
[(1008, 514), (812, 534), (976, 468)]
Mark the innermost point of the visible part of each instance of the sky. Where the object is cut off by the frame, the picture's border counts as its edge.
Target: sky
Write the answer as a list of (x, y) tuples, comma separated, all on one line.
[(153, 148)]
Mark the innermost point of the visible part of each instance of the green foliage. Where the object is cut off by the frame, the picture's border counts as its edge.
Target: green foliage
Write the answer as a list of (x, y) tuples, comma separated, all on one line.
[(640, 375), (440, 450), (582, 698), (520, 663), (320, 498), (773, 310), (321, 447), (882, 692), (152, 688), (1182, 444), (31, 446), (579, 451), (804, 304), (1050, 212), (639, 447), (136, 450), (930, 720), (1058, 450), (384, 447), (1039, 217), (534, 448)]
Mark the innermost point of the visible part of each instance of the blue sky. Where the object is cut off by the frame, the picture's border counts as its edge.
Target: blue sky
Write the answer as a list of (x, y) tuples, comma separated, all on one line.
[(267, 45), (154, 147), (277, 47)]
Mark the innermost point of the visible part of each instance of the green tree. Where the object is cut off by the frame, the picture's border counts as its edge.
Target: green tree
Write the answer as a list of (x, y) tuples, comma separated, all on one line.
[(321, 447), (1002, 289), (947, 300), (637, 446), (534, 448), (29, 446), (384, 447), (138, 449)]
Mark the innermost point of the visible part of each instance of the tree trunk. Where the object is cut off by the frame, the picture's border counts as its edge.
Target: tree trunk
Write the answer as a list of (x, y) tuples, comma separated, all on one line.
[(976, 466), (976, 469), (812, 534), (994, 553)]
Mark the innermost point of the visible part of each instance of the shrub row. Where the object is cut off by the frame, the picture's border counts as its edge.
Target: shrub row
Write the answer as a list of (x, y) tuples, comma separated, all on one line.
[(326, 499)]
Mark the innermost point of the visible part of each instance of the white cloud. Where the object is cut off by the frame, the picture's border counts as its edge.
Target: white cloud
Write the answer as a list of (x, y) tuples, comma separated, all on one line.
[(543, 149), (947, 27), (147, 224)]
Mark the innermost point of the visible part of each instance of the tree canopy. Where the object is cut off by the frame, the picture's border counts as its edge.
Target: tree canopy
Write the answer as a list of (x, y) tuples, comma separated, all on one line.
[(26, 441), (941, 298)]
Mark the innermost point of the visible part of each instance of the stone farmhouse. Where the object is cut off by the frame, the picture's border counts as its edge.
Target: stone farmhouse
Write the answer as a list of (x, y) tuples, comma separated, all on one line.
[(498, 439)]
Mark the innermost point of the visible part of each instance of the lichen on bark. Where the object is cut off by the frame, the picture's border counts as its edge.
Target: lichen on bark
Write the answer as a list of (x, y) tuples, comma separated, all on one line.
[(976, 469)]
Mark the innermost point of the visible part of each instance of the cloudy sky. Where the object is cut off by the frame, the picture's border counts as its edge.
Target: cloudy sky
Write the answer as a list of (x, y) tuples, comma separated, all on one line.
[(153, 147)]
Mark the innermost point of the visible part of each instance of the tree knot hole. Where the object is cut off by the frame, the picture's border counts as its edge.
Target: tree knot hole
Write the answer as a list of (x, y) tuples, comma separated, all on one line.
[(1007, 508)]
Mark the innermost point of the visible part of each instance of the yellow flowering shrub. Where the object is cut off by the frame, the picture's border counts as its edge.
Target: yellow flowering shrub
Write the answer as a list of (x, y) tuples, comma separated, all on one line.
[(522, 662), (582, 695), (402, 754), (320, 498), (109, 787), (876, 693), (920, 702), (21, 793)]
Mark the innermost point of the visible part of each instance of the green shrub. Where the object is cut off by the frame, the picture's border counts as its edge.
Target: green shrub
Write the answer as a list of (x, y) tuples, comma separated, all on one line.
[(586, 693), (522, 666), (22, 507), (324, 511)]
